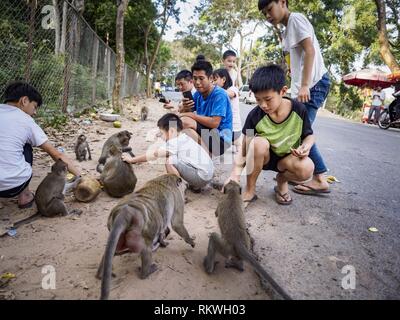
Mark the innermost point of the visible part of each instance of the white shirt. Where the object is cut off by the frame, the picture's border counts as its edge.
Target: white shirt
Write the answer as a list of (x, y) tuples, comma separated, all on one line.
[(236, 121), (189, 152), (16, 129), (234, 75), (298, 29), (378, 98)]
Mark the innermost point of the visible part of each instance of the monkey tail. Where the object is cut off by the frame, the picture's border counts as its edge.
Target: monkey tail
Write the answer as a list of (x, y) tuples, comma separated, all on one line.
[(246, 255), (119, 226)]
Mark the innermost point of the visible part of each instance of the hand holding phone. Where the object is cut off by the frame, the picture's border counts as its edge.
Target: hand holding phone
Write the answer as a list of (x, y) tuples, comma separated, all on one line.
[(188, 102), (188, 95)]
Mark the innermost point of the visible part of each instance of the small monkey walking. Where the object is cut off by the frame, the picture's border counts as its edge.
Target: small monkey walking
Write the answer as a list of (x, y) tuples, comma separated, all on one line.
[(140, 223), (235, 241)]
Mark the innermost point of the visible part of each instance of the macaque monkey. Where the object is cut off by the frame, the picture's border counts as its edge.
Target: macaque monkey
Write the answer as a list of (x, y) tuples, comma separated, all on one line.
[(117, 177), (139, 223), (234, 242), (80, 148), (120, 140)]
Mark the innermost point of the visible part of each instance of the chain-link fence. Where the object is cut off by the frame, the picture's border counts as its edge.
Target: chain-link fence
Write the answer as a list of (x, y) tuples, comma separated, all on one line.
[(50, 45)]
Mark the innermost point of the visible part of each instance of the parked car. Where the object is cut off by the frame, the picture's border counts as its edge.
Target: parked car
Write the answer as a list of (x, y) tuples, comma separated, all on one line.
[(246, 95), (169, 88)]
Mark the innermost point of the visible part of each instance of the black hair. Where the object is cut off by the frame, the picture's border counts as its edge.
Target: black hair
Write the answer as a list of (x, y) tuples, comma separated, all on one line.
[(271, 77), (228, 53), (16, 90), (223, 73), (184, 74), (203, 65), (200, 57), (170, 120), (263, 3)]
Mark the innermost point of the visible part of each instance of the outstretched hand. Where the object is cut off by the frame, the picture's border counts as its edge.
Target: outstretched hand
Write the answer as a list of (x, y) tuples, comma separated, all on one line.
[(127, 158)]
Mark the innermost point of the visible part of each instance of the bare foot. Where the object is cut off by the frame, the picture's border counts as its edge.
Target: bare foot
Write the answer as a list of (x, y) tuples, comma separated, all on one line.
[(25, 197), (317, 183), (248, 196)]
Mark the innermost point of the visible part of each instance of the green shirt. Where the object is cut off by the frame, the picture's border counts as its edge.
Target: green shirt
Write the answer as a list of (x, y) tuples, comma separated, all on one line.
[(281, 136)]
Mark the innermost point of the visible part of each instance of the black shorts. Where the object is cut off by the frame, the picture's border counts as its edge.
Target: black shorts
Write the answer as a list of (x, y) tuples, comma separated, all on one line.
[(272, 164), (11, 193), (214, 142)]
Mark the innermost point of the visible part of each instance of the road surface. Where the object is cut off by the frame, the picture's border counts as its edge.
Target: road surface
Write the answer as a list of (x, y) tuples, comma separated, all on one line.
[(321, 247)]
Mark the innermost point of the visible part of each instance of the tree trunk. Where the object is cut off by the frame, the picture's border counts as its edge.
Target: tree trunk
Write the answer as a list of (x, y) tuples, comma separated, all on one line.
[(385, 52), (119, 65), (63, 28), (95, 59), (56, 26), (149, 67), (147, 62)]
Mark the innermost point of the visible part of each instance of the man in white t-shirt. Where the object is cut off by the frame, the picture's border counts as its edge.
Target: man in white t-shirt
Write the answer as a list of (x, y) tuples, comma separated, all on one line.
[(18, 134), (183, 156), (310, 81)]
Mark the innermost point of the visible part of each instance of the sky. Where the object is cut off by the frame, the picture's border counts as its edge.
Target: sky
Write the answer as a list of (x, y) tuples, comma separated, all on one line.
[(187, 11)]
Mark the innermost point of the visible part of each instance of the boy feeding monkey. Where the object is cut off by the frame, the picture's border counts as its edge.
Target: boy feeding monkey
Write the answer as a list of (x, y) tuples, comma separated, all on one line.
[(183, 156)]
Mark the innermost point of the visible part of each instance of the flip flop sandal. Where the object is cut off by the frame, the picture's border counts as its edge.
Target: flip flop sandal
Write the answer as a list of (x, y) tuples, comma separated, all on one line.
[(29, 204), (279, 201), (247, 202), (311, 191)]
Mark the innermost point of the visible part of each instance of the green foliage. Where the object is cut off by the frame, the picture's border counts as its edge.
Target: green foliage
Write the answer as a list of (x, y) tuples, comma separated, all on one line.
[(51, 115)]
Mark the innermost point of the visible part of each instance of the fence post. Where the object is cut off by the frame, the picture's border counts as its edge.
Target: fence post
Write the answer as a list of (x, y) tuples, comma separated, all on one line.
[(32, 5), (94, 67)]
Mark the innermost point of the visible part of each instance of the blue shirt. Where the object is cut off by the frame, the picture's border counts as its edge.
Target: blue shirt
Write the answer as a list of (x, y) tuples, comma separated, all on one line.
[(217, 104)]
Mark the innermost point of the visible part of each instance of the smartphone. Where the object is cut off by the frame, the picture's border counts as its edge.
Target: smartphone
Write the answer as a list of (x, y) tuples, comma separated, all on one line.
[(188, 95)]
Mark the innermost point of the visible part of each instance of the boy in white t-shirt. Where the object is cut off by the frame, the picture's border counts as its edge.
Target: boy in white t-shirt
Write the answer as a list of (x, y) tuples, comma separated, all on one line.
[(184, 157), (229, 62), (309, 77), (18, 134)]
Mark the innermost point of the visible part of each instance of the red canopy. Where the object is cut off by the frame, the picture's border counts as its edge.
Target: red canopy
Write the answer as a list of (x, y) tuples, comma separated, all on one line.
[(368, 77)]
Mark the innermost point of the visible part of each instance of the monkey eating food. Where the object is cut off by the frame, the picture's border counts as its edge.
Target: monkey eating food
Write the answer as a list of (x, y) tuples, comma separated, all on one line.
[(121, 141), (117, 177)]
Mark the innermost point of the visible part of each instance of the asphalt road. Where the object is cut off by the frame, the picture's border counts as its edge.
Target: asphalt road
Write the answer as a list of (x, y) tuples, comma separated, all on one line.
[(315, 246)]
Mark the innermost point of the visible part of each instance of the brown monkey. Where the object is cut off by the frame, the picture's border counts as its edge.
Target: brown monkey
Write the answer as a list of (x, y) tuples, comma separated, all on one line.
[(234, 244), (80, 148), (144, 112), (49, 195), (120, 140), (117, 177), (139, 222)]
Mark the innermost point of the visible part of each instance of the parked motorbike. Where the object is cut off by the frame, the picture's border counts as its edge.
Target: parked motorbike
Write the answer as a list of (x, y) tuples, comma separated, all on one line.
[(390, 116)]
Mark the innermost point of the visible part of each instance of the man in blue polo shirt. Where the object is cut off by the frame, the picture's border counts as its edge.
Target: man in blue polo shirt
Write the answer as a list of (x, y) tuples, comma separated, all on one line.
[(211, 124)]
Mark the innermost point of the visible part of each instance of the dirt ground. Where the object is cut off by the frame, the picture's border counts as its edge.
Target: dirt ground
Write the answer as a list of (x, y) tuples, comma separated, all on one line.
[(74, 245)]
